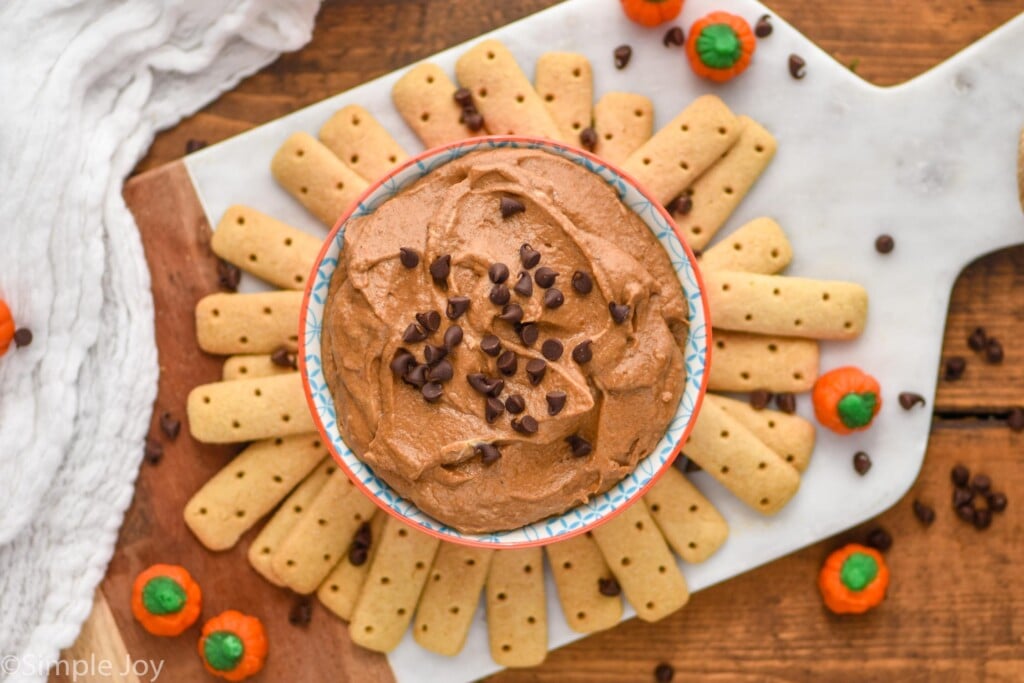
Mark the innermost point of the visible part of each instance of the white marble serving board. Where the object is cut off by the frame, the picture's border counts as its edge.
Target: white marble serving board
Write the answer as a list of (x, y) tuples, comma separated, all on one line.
[(931, 162)]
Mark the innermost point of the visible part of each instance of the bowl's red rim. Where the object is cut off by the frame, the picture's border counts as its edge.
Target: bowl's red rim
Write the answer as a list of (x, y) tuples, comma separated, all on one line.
[(329, 240)]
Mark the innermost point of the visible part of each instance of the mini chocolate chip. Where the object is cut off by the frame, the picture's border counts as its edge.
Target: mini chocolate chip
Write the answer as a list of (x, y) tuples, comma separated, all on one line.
[(429, 321), (301, 612), (284, 358), (861, 462), (490, 345), (664, 673), (433, 354), (966, 512), (479, 382), (228, 275), (515, 404), (1015, 420), (583, 353), (508, 363), (194, 145), (416, 375), (609, 586), (409, 258), (510, 206), (170, 426), (432, 392), (909, 399), (402, 361), (623, 53), (452, 337), (681, 205), (674, 37), (982, 519), (620, 312), (545, 277), (22, 337), (885, 244), (588, 139), (960, 475), (442, 372), (553, 298), (955, 367), (528, 334), (797, 67), (154, 451), (498, 273), (413, 334), (464, 97), (440, 269), (978, 339), (997, 501), (357, 555), (488, 452), (529, 256), (535, 370), (499, 295), (552, 349), (879, 539), (582, 282), (524, 286), (580, 446), (924, 513), (764, 27), (525, 424), (457, 307), (760, 398), (962, 497), (512, 313), (981, 483), (994, 351), (786, 403), (556, 401), (474, 121), (363, 536), (493, 409)]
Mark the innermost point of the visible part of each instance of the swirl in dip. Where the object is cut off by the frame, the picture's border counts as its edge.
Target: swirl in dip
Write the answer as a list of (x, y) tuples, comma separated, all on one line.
[(566, 365)]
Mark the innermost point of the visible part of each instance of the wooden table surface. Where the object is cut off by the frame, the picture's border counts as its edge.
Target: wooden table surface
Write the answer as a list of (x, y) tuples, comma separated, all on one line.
[(955, 611)]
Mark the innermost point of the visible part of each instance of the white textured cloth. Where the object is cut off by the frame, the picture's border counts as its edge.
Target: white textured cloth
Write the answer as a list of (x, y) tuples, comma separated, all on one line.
[(84, 85)]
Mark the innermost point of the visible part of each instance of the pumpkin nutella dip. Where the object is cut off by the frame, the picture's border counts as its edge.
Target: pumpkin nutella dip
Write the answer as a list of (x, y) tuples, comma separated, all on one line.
[(503, 339)]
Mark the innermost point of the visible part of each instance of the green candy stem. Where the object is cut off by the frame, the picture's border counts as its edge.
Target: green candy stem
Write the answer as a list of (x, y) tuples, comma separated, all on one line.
[(719, 47), (223, 650), (163, 595), (858, 571), (856, 410)]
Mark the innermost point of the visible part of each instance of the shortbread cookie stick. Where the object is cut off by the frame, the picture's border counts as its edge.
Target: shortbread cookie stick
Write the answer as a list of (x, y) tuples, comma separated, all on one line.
[(790, 436), (747, 362), (249, 487), (740, 461), (340, 590), (248, 323), (786, 306), (565, 81), (717, 193), (323, 533), (623, 123), (362, 143), (392, 589), (679, 153), (580, 572), (266, 543), (266, 247), (249, 409), (319, 180), (450, 598), (503, 93), (688, 520), (425, 97), (642, 563), (248, 367), (517, 623), (760, 246)]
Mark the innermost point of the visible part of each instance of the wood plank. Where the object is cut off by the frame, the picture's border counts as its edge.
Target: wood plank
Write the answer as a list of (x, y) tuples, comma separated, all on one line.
[(99, 641)]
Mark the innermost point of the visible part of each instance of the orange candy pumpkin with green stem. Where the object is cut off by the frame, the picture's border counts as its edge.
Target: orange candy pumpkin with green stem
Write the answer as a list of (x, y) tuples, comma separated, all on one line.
[(166, 600), (6, 327), (846, 400), (652, 12), (853, 579), (233, 646), (720, 46)]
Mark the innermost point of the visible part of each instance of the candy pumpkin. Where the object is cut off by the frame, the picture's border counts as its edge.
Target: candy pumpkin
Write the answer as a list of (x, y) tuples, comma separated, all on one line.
[(166, 600), (233, 646), (846, 400), (720, 46), (652, 12), (853, 579), (6, 327)]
